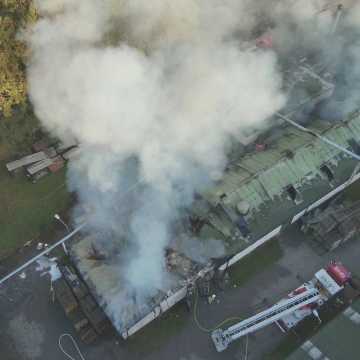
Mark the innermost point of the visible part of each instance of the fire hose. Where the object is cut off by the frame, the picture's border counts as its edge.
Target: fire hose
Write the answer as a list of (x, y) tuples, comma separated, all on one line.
[(76, 346), (203, 328)]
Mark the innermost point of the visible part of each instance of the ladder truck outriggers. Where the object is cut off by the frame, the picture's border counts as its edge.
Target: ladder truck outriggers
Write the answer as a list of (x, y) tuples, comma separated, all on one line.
[(288, 312)]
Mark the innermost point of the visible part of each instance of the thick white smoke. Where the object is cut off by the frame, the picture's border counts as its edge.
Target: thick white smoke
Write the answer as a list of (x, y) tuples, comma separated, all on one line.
[(163, 85), (153, 91)]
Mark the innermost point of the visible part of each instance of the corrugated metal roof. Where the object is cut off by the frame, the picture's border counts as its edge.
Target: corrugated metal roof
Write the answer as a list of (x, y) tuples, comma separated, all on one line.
[(291, 159), (26, 160), (40, 165)]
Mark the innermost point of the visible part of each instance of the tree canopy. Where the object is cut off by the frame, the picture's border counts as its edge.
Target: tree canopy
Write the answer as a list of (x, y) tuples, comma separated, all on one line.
[(14, 16)]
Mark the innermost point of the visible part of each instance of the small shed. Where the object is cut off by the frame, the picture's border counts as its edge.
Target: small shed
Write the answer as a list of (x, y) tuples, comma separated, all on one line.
[(26, 160), (64, 146), (58, 163), (41, 145), (40, 165), (334, 225), (70, 154), (50, 152)]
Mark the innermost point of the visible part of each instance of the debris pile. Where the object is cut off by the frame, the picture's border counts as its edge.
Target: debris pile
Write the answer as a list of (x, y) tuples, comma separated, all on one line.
[(334, 225), (74, 297)]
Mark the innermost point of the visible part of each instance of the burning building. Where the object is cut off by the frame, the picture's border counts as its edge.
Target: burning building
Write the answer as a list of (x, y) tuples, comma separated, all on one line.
[(183, 154), (259, 194)]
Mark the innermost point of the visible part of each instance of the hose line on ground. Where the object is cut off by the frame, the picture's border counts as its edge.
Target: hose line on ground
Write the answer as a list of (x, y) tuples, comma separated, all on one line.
[(202, 328), (76, 346)]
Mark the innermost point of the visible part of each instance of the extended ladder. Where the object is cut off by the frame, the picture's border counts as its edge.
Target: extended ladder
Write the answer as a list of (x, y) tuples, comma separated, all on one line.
[(222, 338)]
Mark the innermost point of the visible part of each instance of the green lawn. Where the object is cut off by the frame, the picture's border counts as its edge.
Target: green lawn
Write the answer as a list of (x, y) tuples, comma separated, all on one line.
[(27, 209), (352, 193), (158, 332), (256, 262)]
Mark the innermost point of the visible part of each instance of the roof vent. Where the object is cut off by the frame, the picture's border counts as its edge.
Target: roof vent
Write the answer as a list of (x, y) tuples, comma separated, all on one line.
[(243, 207)]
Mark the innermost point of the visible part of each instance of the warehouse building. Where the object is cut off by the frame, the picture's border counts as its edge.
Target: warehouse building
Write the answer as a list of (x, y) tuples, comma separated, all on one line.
[(270, 185)]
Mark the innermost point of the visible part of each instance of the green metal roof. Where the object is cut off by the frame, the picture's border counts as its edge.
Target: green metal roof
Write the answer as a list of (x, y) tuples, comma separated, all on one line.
[(262, 176)]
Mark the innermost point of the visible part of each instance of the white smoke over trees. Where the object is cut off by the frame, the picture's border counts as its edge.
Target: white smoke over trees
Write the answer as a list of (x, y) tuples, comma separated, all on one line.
[(153, 91)]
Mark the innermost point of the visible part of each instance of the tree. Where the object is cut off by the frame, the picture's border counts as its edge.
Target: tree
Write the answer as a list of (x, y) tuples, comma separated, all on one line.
[(15, 15)]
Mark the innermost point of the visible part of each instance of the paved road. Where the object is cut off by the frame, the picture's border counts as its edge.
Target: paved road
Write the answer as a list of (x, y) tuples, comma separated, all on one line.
[(30, 324)]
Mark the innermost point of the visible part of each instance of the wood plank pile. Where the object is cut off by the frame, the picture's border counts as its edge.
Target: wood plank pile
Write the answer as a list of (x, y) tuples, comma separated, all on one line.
[(46, 159)]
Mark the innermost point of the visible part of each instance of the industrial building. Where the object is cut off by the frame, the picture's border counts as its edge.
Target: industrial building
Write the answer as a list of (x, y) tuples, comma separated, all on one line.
[(267, 188), (293, 175), (333, 226), (274, 175)]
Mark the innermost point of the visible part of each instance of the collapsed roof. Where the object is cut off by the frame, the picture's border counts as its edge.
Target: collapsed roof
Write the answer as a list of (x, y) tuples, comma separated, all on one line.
[(261, 190)]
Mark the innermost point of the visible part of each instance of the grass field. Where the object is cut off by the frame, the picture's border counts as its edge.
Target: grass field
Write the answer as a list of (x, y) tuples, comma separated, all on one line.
[(256, 262), (352, 193), (27, 209), (155, 335)]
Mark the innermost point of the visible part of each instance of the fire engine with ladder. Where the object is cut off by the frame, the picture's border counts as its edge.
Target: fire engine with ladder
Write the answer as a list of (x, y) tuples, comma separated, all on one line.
[(288, 312)]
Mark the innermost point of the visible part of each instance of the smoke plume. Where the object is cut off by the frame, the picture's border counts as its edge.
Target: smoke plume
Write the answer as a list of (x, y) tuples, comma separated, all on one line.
[(153, 91)]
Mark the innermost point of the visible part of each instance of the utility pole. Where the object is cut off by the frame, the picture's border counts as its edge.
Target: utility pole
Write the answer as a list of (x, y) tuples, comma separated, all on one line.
[(61, 221)]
